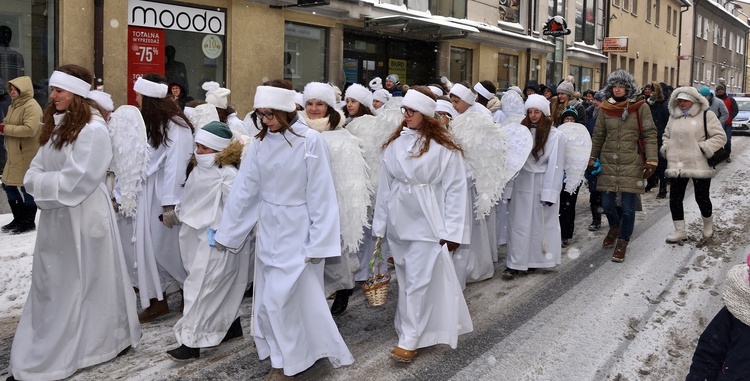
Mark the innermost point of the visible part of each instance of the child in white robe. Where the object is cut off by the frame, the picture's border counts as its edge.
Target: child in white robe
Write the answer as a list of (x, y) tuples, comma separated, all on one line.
[(216, 281)]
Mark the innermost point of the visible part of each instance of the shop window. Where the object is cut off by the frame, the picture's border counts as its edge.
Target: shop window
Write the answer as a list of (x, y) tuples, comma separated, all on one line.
[(305, 49), (535, 67), (585, 21), (461, 63), (509, 11), (449, 8), (507, 71), (27, 46), (584, 77)]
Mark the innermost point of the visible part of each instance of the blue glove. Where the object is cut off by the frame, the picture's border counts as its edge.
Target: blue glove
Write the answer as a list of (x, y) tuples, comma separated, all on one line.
[(597, 168), (211, 233)]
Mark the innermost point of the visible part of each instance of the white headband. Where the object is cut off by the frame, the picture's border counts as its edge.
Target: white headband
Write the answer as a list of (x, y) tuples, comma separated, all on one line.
[(274, 98), (436, 90), (479, 88), (420, 102), (463, 93), (103, 99), (70, 83), (150, 89), (445, 106), (212, 141)]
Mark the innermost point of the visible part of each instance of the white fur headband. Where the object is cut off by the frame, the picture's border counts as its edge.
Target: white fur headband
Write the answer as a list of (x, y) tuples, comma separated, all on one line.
[(420, 102), (479, 88), (70, 83), (274, 98), (150, 89), (464, 93)]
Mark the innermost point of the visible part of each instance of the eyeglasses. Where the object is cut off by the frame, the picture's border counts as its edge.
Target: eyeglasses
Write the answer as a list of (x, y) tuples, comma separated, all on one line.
[(407, 111), (261, 115), (445, 115)]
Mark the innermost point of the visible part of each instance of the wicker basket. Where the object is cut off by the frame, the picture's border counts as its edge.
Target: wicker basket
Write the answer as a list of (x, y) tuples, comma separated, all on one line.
[(377, 285)]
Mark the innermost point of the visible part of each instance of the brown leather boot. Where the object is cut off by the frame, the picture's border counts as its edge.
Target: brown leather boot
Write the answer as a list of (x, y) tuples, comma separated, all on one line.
[(620, 248), (611, 237), (158, 308)]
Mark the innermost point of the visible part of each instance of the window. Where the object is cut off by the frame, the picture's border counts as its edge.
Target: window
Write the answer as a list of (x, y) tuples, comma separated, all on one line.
[(451, 8), (646, 65), (666, 73), (418, 5), (556, 7), (648, 11), (657, 11), (583, 77), (507, 71), (669, 19), (509, 10), (305, 49), (723, 37), (616, 3), (635, 7), (631, 65), (653, 72), (716, 34), (586, 21), (731, 38), (461, 64), (535, 69), (699, 26), (626, 5), (675, 21), (31, 49)]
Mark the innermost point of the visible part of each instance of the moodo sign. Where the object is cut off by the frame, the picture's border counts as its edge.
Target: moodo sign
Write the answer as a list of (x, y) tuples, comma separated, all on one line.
[(175, 17)]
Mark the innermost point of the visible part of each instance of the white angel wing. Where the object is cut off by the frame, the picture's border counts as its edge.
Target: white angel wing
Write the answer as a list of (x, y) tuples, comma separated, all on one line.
[(577, 153), (373, 133), (130, 155), (353, 191), (202, 115), (484, 150), (520, 143)]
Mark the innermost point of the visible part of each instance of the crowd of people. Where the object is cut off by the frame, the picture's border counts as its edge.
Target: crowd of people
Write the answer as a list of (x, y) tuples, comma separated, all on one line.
[(288, 204)]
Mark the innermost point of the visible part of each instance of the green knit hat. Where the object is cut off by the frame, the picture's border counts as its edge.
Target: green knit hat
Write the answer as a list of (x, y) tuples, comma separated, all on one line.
[(214, 135)]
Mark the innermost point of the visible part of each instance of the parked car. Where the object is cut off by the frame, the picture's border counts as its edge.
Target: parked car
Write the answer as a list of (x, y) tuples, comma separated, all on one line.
[(741, 123)]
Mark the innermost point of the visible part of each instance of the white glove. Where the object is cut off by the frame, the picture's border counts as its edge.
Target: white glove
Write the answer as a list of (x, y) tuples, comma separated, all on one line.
[(169, 216)]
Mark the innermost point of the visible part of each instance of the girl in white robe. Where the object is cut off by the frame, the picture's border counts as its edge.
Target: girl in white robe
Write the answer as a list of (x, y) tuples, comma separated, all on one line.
[(534, 237), (421, 210), (285, 186), (216, 281), (157, 249), (81, 308)]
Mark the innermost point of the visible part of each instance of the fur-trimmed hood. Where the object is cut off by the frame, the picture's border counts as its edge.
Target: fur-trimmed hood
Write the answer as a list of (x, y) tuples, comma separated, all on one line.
[(232, 155), (700, 103), (622, 78)]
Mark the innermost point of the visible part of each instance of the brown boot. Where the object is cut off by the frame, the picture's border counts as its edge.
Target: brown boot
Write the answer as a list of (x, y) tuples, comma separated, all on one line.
[(158, 308), (620, 248), (611, 237)]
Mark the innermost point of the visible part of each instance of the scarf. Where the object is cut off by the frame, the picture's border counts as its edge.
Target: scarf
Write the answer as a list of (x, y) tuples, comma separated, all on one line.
[(622, 109)]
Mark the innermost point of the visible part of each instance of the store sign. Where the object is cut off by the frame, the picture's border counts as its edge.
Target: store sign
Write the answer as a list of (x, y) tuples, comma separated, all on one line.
[(615, 45), (556, 27), (302, 31), (145, 55), (398, 67), (175, 17), (212, 46)]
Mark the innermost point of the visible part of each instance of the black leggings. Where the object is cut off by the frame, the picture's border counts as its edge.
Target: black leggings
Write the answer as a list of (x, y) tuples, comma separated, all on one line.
[(677, 195)]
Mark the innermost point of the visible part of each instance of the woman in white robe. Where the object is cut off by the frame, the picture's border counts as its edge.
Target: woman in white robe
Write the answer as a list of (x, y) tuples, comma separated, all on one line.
[(285, 186), (534, 237), (81, 308), (216, 281), (421, 210), (157, 250)]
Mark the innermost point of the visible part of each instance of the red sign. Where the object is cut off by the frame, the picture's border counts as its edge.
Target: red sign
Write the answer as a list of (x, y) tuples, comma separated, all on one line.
[(683, 58), (145, 55)]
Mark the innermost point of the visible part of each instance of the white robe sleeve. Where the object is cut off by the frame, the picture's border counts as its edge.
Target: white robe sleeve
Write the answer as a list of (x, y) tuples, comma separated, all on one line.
[(177, 156), (381, 206), (456, 195), (80, 174), (241, 210), (553, 175), (322, 206)]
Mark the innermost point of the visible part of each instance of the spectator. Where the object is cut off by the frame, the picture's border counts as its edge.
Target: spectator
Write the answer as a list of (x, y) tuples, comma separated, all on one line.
[(731, 104), (657, 102)]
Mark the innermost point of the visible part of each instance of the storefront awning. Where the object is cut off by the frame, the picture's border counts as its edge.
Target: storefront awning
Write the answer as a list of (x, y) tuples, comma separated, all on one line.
[(419, 27)]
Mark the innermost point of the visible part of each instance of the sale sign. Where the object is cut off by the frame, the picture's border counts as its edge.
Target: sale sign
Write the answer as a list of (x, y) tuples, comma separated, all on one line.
[(145, 55)]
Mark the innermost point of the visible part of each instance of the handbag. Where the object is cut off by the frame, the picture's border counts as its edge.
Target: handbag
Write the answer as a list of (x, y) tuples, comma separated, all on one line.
[(641, 143), (721, 155), (377, 285)]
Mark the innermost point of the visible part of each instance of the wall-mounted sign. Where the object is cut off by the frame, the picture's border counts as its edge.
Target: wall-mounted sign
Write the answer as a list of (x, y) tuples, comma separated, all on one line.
[(556, 27), (212, 46), (145, 55), (176, 17), (615, 45)]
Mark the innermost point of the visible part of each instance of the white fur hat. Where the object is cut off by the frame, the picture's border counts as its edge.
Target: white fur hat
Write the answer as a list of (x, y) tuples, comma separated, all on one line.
[(274, 98), (436, 90), (464, 93), (538, 102), (360, 94), (321, 91), (381, 95), (216, 95), (150, 89), (376, 84), (445, 106), (103, 99), (420, 102)]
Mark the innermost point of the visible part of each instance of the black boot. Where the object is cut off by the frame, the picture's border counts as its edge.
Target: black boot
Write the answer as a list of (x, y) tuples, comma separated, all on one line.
[(234, 331), (184, 353), (341, 302), (16, 206), (28, 214)]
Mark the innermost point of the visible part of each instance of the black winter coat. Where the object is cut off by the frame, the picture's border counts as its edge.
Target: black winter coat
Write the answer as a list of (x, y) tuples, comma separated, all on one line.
[(723, 351)]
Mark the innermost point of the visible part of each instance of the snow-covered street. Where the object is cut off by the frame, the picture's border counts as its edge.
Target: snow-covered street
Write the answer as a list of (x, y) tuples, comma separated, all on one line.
[(588, 319)]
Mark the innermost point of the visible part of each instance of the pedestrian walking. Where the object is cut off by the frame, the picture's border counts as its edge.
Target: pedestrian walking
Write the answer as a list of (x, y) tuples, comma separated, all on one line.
[(733, 110), (692, 135), (658, 104)]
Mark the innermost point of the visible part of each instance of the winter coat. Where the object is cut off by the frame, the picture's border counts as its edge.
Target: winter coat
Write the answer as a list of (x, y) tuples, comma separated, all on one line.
[(718, 107), (732, 108), (723, 351), (615, 143), (23, 125), (684, 142)]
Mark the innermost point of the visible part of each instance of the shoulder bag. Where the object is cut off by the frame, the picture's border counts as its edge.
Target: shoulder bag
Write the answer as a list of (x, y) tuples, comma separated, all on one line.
[(720, 155)]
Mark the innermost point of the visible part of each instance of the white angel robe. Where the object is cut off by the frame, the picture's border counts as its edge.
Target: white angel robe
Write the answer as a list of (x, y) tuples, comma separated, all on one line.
[(81, 307), (473, 260), (216, 281), (157, 250), (285, 186), (533, 226), (421, 200)]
